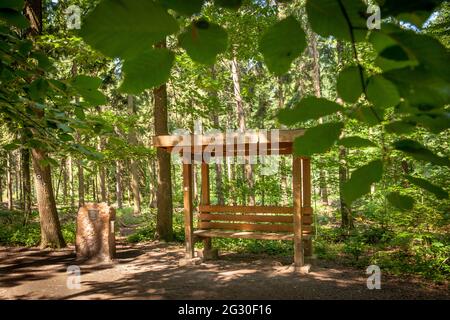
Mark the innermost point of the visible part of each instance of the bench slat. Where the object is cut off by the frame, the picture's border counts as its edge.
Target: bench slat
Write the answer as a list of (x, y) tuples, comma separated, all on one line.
[(246, 209), (252, 209), (253, 218), (251, 227), (246, 235)]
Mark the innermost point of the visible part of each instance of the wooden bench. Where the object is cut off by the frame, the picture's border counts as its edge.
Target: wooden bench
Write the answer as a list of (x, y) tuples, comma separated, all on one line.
[(251, 222), (247, 222)]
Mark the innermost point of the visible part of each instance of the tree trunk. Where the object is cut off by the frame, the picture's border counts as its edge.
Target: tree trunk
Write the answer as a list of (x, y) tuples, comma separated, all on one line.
[(218, 167), (1, 191), (314, 52), (51, 235), (247, 168), (80, 183), (134, 168), (152, 183), (219, 170), (71, 183), (26, 182), (101, 172), (346, 214), (164, 192), (65, 181), (9, 182), (119, 185)]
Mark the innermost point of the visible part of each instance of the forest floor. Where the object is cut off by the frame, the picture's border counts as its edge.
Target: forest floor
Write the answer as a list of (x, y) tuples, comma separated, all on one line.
[(151, 271)]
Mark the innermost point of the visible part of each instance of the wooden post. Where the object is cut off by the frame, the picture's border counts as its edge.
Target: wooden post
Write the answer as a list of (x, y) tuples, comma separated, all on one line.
[(297, 199), (205, 199), (306, 177), (188, 213)]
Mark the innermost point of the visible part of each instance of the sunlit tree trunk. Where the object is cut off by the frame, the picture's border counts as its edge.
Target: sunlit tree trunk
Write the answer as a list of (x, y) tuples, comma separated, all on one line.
[(51, 235), (9, 182), (247, 168), (71, 183), (26, 182), (81, 187), (164, 191), (134, 168), (119, 192)]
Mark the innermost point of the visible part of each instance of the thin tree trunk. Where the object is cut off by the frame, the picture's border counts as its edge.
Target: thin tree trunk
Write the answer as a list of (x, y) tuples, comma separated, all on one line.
[(346, 212), (119, 192), (247, 168), (9, 182), (219, 171), (1, 191), (164, 191), (26, 182), (80, 183), (318, 93), (134, 168), (71, 183), (65, 181)]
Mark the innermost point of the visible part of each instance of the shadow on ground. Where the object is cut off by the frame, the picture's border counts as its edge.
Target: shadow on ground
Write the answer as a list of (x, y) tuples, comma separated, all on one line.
[(151, 271)]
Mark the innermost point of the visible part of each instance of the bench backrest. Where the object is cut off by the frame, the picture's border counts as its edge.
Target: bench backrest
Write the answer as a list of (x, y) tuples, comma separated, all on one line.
[(252, 218)]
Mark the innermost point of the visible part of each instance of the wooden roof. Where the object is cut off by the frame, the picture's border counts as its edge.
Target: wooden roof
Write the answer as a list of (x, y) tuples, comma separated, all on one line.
[(233, 143)]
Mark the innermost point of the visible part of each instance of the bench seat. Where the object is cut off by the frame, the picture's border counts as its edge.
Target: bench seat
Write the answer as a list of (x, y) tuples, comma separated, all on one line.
[(246, 235)]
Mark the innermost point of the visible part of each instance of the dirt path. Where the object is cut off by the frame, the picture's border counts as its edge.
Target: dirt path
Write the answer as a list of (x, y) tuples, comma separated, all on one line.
[(151, 271)]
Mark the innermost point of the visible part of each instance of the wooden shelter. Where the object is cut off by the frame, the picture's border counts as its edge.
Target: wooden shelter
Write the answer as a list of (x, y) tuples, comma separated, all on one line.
[(250, 222)]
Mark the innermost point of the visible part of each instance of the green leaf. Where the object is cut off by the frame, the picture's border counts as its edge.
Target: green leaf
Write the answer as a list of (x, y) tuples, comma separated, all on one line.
[(415, 12), (419, 152), (64, 127), (11, 146), (79, 113), (402, 202), (355, 142), (394, 52), (368, 115), (388, 50), (12, 4), (146, 71), (184, 7), (282, 44), (44, 62), (87, 87), (14, 18), (329, 18), (309, 108), (229, 4), (434, 121), (318, 139), (361, 180), (400, 127), (428, 186), (66, 137), (203, 41), (381, 92), (38, 90), (349, 86), (119, 28)]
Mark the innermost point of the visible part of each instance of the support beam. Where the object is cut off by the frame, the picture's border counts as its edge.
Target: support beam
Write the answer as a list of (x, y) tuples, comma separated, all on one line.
[(205, 200), (306, 177), (188, 212), (297, 199)]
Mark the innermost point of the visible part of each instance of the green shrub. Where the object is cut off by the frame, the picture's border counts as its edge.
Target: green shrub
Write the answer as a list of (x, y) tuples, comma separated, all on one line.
[(69, 231), (29, 235)]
